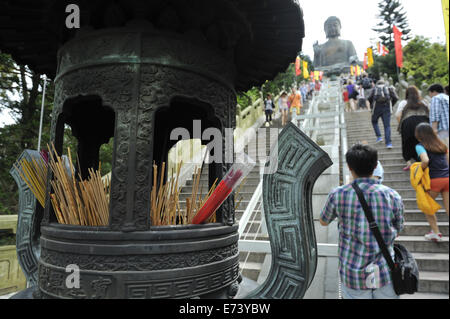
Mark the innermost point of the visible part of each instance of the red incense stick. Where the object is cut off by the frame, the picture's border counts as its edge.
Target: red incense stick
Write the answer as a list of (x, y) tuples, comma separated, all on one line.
[(219, 195)]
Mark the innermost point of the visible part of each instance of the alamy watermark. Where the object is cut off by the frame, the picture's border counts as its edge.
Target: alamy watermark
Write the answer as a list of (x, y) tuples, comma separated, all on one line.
[(255, 141), (73, 19), (73, 278)]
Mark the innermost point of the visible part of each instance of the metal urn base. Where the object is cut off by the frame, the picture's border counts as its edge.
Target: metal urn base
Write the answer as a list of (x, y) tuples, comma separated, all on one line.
[(166, 262)]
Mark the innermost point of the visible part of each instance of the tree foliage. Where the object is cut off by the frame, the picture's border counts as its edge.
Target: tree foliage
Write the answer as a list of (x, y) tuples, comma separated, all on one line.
[(425, 61), (284, 80), (21, 96), (391, 13)]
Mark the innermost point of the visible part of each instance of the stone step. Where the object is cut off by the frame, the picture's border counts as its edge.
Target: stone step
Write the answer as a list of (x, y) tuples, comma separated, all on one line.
[(252, 180), (395, 183), (422, 228), (433, 282), (251, 257), (248, 187), (393, 161), (410, 193), (418, 244), (250, 270), (432, 262), (256, 215), (415, 215), (423, 296), (411, 203), (395, 168), (371, 140), (253, 227), (243, 196), (397, 175), (254, 236)]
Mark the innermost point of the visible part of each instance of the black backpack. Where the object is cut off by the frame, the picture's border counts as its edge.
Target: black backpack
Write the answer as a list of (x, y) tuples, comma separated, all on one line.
[(366, 83), (382, 94)]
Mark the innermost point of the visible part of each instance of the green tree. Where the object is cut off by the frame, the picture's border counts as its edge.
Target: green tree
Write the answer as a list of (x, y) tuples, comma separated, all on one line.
[(21, 96), (425, 61), (391, 13)]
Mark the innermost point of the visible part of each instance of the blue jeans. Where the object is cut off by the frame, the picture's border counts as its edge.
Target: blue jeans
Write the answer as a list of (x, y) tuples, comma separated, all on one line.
[(385, 113), (386, 292)]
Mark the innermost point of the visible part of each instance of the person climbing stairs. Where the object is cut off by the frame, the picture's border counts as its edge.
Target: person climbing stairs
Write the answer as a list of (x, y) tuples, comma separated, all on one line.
[(432, 257)]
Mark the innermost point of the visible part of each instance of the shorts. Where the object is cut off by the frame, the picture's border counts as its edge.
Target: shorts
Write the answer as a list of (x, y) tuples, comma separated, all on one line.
[(439, 185)]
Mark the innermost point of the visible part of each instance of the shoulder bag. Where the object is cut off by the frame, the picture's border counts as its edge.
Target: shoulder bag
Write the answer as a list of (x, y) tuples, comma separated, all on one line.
[(404, 270)]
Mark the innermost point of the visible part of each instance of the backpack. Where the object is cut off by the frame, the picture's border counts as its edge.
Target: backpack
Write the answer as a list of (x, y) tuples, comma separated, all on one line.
[(366, 83), (382, 94)]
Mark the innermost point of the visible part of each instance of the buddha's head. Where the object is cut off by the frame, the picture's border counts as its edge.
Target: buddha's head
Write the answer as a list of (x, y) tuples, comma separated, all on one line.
[(333, 27)]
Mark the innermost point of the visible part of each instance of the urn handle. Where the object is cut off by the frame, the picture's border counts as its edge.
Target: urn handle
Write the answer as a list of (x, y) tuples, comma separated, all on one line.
[(287, 198)]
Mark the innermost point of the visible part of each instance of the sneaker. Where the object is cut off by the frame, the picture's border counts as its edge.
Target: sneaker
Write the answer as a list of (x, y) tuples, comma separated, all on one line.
[(432, 236), (389, 146), (379, 139)]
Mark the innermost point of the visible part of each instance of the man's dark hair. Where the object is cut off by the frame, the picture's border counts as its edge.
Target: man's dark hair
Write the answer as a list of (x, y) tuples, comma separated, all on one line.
[(362, 159), (446, 89), (436, 88)]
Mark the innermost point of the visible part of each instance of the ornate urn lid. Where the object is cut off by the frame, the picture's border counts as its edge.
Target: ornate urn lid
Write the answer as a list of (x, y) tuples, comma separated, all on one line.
[(259, 37)]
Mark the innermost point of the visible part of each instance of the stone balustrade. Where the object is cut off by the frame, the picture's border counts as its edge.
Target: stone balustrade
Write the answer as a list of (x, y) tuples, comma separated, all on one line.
[(12, 278)]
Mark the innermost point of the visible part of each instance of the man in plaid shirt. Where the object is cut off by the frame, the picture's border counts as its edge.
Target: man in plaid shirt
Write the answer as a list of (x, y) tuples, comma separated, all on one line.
[(363, 270), (439, 111)]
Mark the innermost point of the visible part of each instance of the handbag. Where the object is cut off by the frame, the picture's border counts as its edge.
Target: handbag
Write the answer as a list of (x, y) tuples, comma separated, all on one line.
[(404, 269)]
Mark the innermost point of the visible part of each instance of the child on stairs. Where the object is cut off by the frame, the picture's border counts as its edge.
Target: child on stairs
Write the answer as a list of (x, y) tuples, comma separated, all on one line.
[(433, 153)]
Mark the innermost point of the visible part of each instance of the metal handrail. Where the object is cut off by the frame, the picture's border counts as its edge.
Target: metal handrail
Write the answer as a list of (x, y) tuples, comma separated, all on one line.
[(263, 246)]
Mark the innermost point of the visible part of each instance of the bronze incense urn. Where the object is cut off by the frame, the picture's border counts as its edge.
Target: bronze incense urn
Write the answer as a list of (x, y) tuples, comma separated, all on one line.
[(134, 71)]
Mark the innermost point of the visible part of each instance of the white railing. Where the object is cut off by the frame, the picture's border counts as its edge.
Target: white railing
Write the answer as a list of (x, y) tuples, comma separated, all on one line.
[(310, 125)]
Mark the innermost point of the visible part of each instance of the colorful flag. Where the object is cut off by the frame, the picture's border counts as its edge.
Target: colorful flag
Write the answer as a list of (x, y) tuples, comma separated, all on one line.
[(321, 75), (365, 66), (445, 8), (384, 51), (379, 48), (312, 76), (369, 57), (316, 75), (298, 70), (398, 46), (305, 69)]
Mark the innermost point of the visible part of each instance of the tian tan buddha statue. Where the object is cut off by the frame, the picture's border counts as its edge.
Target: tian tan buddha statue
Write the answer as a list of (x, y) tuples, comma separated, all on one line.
[(335, 56)]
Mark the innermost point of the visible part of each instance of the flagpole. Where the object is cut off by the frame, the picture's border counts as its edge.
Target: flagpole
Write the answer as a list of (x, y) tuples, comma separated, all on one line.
[(42, 115)]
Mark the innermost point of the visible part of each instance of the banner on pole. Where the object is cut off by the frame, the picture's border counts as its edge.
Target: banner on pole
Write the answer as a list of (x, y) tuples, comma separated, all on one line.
[(398, 46), (445, 9), (370, 57), (298, 70), (365, 66), (305, 69)]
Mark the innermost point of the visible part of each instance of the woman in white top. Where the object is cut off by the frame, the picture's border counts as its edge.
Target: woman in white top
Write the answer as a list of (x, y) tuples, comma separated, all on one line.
[(284, 108)]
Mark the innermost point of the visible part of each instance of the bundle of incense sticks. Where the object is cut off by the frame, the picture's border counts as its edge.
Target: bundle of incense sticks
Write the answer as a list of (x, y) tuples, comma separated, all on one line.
[(232, 179), (165, 209), (165, 204), (34, 174), (77, 201)]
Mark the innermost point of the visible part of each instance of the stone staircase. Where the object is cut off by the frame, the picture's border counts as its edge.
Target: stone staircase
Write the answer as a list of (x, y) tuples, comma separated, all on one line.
[(432, 258), (250, 263)]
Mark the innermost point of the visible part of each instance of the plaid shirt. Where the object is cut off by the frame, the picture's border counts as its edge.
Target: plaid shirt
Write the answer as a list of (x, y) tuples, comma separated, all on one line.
[(439, 111), (361, 263)]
